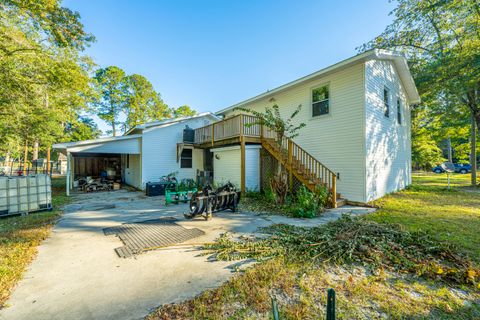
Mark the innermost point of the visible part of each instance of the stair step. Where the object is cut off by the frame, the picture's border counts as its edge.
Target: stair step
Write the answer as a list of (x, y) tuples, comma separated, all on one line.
[(341, 202)]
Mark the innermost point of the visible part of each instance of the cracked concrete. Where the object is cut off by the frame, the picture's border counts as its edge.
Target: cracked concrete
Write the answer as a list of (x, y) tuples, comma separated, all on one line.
[(77, 274)]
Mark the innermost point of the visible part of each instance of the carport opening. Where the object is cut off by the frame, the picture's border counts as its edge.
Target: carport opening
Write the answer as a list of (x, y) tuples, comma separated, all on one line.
[(97, 171)]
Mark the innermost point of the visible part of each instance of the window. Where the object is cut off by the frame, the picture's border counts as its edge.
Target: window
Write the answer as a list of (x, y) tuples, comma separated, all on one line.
[(128, 161), (186, 158), (320, 101), (399, 112), (386, 102)]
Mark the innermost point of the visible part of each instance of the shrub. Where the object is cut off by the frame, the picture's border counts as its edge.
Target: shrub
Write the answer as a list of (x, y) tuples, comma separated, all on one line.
[(308, 204)]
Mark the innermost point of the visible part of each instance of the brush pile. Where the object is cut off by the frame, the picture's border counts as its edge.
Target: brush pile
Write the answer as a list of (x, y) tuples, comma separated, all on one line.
[(355, 241)]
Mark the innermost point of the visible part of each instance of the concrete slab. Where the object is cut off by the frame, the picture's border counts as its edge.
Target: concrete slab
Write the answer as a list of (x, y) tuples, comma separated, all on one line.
[(78, 275)]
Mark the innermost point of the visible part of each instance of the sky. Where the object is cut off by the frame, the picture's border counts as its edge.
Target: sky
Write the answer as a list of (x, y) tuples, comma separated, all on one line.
[(212, 54)]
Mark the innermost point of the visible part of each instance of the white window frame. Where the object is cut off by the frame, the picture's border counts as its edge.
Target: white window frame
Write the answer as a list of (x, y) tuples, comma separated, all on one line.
[(327, 84)]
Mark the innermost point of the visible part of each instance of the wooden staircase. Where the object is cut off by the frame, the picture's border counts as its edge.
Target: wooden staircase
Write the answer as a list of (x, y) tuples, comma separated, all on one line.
[(307, 169)]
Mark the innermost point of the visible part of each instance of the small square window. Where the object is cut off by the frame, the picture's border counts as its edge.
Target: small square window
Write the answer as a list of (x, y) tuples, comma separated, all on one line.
[(186, 158), (386, 102), (399, 112), (320, 101)]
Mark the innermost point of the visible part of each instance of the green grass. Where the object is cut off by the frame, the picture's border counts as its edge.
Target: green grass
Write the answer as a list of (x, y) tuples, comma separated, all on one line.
[(449, 215), (20, 237), (300, 288)]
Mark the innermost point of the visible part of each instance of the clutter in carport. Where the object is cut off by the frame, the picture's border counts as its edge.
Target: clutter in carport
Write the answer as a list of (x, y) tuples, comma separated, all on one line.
[(90, 184)]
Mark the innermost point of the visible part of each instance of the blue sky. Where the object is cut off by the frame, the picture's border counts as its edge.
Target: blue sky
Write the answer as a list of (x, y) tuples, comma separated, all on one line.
[(212, 54)]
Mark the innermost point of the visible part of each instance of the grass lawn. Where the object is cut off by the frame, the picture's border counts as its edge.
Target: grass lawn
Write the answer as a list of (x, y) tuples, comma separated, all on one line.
[(300, 289), (450, 215), (20, 236)]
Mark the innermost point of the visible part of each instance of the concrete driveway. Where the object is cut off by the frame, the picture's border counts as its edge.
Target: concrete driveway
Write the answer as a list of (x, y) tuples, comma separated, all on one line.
[(78, 275)]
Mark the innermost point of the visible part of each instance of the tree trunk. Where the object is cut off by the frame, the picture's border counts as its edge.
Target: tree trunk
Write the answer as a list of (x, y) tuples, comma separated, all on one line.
[(35, 150), (449, 146), (113, 129)]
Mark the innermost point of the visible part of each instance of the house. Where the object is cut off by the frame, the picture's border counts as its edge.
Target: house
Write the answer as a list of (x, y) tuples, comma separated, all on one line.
[(356, 141), (145, 153)]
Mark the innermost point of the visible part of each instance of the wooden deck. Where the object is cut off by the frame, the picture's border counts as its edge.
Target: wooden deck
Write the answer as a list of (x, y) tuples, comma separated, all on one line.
[(229, 131), (242, 129)]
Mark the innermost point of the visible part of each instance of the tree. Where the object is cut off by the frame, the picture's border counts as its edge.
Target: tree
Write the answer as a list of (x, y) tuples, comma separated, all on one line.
[(143, 102), (45, 80), (112, 85), (442, 41), (283, 128), (84, 128), (183, 111)]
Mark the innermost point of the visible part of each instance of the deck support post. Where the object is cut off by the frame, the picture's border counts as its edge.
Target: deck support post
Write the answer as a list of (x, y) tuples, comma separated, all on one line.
[(213, 134), (242, 166), (334, 191)]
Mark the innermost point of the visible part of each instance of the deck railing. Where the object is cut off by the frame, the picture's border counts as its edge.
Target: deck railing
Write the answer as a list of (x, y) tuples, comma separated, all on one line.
[(296, 157)]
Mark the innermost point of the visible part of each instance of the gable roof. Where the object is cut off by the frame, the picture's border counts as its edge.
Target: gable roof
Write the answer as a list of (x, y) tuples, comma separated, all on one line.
[(397, 59), (148, 125)]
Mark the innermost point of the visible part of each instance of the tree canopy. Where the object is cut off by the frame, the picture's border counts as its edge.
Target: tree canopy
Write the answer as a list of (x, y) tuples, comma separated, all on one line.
[(441, 39), (45, 80)]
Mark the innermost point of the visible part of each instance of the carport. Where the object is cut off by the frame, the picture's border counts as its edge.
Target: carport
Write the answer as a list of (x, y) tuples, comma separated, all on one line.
[(120, 157)]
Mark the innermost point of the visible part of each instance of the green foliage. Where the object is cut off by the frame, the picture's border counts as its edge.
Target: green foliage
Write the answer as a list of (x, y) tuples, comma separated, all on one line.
[(308, 204), (183, 111), (45, 80), (355, 241), (144, 104), (441, 40), (113, 99), (84, 128), (273, 120), (283, 128)]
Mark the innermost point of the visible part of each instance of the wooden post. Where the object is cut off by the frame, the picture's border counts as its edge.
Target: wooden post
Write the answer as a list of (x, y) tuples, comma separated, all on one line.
[(213, 133), (241, 125), (334, 190), (242, 164), (48, 159), (290, 159), (25, 156)]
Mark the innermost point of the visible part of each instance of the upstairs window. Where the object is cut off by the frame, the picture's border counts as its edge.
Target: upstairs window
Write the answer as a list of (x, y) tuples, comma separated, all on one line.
[(186, 159), (386, 102), (399, 112), (320, 101)]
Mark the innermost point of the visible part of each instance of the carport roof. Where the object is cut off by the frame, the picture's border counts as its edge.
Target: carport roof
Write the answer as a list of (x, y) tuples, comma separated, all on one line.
[(67, 146)]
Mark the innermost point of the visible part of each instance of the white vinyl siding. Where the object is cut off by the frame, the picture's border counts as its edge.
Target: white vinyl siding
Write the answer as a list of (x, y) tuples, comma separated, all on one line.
[(337, 138), (159, 151), (388, 144), (227, 166), (252, 168), (133, 172)]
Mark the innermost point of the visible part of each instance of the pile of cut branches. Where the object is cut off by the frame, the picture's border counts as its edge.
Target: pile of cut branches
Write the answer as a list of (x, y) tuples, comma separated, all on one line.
[(355, 241)]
